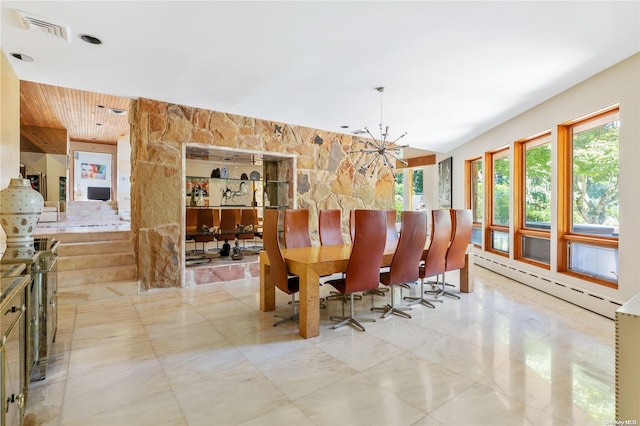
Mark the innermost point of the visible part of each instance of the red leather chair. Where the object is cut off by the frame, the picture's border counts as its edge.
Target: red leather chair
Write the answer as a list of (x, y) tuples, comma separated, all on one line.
[(191, 220), (248, 217), (228, 221), (278, 274), (406, 259), (434, 259), (363, 269), (204, 218), (462, 223), (329, 228), (392, 231), (352, 225), (296, 228)]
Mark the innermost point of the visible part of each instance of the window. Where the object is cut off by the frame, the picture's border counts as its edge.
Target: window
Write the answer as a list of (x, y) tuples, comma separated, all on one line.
[(410, 198), (475, 197), (532, 206), (588, 163), (498, 197), (399, 194)]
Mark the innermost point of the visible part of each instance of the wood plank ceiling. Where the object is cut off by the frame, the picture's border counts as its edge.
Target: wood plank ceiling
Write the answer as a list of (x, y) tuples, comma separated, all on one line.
[(50, 114)]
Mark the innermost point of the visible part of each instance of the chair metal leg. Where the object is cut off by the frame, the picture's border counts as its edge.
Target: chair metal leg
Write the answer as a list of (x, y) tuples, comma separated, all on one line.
[(376, 292), (294, 315), (435, 283), (350, 320), (389, 309), (421, 299), (335, 295), (442, 291)]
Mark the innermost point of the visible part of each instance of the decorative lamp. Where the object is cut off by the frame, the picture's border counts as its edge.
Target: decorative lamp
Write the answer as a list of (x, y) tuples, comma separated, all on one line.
[(381, 147)]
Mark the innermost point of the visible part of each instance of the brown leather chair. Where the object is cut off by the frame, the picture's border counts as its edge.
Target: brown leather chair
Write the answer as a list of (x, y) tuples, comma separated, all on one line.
[(278, 274), (329, 228), (296, 228), (228, 221), (462, 224), (392, 231), (352, 226), (434, 258), (248, 217), (205, 218), (352, 230), (363, 268), (406, 259), (191, 220)]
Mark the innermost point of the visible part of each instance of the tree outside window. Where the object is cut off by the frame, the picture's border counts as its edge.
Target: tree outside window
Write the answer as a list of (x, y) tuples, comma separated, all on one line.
[(537, 204), (501, 188), (595, 175)]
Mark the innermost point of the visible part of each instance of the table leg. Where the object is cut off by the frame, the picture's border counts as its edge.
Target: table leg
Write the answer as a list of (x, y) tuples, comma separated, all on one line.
[(309, 303), (267, 289), (466, 274)]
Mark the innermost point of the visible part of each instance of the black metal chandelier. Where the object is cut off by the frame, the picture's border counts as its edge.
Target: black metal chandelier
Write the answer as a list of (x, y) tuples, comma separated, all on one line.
[(381, 147)]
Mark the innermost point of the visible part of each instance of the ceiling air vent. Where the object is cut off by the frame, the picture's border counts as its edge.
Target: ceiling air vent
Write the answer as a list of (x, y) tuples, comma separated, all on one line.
[(33, 22)]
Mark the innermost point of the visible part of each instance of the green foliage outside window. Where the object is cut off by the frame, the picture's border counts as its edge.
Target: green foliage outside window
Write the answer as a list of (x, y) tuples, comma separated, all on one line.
[(416, 189), (417, 182), (538, 184), (501, 185), (595, 175), (398, 195), (477, 194)]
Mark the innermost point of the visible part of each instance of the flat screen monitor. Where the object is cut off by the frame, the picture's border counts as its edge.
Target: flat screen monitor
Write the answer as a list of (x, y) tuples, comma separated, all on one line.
[(98, 193)]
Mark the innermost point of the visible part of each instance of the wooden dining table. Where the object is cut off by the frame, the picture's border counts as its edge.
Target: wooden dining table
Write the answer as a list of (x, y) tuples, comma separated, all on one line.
[(309, 263)]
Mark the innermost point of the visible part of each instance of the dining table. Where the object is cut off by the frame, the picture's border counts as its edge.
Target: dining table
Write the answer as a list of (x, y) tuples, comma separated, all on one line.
[(310, 263)]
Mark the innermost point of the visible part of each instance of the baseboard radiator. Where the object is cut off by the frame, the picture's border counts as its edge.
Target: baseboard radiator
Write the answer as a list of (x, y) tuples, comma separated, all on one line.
[(586, 299)]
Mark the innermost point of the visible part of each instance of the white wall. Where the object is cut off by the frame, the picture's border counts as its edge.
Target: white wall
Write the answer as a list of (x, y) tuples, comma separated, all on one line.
[(9, 128), (56, 168), (619, 84), (52, 165)]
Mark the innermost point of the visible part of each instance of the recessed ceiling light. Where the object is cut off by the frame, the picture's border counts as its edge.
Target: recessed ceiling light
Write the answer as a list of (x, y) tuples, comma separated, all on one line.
[(344, 126), (117, 111), (98, 124), (90, 39), (101, 106), (22, 57)]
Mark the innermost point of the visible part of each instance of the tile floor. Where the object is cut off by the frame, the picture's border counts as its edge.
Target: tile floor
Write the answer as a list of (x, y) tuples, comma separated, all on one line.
[(205, 355)]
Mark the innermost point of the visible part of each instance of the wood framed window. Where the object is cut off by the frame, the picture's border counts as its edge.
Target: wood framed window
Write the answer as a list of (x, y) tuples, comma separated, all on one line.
[(474, 199), (532, 204), (588, 197), (497, 201)]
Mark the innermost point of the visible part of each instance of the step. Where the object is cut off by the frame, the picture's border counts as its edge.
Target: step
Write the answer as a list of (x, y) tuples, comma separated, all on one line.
[(72, 220), (91, 206), (94, 247), (91, 213), (75, 237), (96, 275), (89, 261)]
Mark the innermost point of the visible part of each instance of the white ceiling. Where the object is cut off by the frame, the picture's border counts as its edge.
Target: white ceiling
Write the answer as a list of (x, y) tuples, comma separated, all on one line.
[(452, 70)]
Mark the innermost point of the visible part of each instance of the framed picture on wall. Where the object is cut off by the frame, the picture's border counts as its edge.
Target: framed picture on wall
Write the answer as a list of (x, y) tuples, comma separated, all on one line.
[(35, 181), (62, 188), (444, 183)]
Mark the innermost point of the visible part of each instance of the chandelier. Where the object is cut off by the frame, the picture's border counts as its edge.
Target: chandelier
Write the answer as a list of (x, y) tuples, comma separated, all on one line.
[(382, 148)]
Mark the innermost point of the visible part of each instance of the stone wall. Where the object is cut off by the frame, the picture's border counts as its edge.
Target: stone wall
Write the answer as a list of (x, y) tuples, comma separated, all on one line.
[(327, 177)]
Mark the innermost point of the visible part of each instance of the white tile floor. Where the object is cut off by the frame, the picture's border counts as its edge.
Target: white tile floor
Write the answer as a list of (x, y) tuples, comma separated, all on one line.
[(503, 355)]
